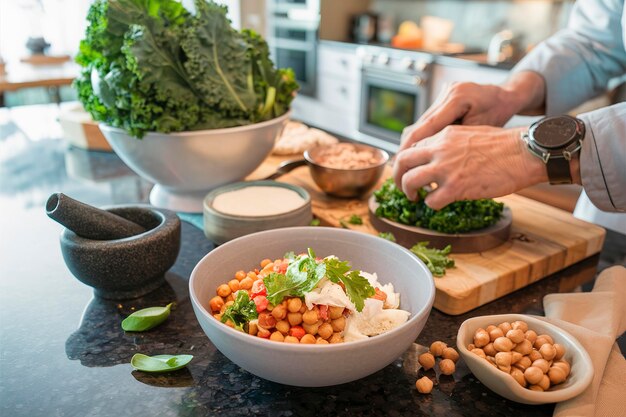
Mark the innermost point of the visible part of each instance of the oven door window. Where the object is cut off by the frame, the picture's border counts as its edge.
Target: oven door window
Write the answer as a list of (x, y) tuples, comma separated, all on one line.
[(296, 60), (390, 109)]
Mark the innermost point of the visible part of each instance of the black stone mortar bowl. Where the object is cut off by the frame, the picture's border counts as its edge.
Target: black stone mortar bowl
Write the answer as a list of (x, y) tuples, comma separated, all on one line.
[(126, 268)]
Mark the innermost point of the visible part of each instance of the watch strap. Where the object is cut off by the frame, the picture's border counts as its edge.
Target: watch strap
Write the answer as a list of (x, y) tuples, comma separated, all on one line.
[(559, 171)]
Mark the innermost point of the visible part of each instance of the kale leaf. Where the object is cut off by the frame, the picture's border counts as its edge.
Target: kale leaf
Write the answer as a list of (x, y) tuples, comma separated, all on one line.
[(241, 311), (458, 217), (436, 260), (154, 66)]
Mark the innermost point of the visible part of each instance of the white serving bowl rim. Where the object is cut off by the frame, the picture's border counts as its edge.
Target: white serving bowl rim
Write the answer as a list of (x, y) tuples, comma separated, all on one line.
[(517, 392), (289, 347)]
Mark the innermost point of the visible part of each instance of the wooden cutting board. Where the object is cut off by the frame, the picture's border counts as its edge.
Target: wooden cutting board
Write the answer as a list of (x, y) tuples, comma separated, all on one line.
[(543, 240)]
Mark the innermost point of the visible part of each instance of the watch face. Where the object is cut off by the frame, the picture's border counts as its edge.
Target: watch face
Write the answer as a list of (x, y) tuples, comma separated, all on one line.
[(555, 132)]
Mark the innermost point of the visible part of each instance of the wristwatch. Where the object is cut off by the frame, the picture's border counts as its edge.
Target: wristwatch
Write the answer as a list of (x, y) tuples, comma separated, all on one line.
[(555, 140)]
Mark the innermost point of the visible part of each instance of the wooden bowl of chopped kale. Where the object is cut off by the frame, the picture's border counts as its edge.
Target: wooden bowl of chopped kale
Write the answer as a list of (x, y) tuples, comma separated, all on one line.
[(466, 226)]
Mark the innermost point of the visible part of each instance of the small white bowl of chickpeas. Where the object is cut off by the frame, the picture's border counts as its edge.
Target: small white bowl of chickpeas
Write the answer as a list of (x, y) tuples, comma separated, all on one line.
[(524, 358)]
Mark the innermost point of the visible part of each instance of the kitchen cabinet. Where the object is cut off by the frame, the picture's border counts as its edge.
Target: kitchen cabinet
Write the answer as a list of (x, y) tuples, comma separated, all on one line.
[(338, 77)]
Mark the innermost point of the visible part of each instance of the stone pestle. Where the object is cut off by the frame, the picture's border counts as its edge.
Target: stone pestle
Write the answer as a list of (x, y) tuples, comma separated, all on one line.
[(88, 221)]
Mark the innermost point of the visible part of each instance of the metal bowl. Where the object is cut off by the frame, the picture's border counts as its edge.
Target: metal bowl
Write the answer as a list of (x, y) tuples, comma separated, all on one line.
[(346, 182)]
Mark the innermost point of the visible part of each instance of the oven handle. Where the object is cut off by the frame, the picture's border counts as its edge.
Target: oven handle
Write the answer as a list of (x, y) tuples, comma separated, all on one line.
[(413, 80)]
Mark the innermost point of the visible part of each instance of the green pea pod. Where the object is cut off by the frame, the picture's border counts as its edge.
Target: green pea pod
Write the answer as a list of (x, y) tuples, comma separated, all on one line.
[(146, 318), (159, 363)]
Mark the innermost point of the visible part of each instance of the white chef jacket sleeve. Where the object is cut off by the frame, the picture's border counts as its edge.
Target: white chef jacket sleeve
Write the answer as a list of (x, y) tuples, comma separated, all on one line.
[(578, 62), (603, 157)]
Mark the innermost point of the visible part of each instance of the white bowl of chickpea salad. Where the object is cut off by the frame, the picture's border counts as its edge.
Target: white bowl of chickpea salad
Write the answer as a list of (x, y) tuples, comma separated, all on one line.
[(297, 340)]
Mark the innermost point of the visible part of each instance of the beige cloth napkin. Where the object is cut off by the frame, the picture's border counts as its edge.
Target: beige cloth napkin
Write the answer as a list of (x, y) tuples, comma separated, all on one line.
[(596, 319)]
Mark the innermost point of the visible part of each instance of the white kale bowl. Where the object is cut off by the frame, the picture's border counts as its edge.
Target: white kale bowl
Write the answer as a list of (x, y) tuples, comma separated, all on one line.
[(314, 365), (185, 166)]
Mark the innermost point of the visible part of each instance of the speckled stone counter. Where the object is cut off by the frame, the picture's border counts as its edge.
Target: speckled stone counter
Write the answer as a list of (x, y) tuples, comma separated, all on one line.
[(63, 352)]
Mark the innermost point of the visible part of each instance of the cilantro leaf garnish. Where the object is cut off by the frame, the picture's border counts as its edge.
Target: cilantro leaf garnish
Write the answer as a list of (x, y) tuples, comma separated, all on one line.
[(303, 274), (241, 311), (357, 287), (355, 219), (436, 260)]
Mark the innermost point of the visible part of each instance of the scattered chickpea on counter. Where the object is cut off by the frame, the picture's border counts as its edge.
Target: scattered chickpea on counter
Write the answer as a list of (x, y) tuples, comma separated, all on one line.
[(534, 361), (447, 364)]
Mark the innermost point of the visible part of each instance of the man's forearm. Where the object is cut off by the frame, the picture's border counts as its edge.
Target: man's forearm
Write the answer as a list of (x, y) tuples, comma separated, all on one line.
[(525, 92)]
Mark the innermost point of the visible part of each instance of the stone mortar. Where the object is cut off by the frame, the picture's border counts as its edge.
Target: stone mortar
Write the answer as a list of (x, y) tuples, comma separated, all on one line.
[(129, 267)]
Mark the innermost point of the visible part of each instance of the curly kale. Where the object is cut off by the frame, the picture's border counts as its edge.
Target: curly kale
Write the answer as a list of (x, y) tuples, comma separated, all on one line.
[(458, 217), (151, 65)]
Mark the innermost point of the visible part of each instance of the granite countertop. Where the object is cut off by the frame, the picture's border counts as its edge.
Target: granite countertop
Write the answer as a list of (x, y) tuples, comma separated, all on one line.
[(63, 352)]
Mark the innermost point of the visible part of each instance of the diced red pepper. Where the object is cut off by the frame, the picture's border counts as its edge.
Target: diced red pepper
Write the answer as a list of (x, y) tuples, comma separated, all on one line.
[(323, 312), (297, 331), (261, 303), (258, 288), (280, 267)]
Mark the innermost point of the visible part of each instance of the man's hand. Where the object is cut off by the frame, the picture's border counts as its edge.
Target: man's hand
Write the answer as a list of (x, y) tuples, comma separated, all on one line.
[(475, 104), (468, 162)]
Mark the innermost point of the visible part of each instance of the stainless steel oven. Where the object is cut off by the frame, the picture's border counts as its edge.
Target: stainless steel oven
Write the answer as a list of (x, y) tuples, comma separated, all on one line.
[(292, 36), (394, 90)]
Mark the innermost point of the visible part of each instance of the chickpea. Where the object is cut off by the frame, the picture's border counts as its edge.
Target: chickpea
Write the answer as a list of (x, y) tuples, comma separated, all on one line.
[(279, 312), (436, 348), (294, 305), (531, 335), (533, 375), (534, 355), (303, 309), (540, 341), (524, 347), (503, 344), (503, 360), (218, 316), (320, 341), (481, 338), (264, 262), (490, 350), (548, 338), (229, 303), (535, 388), (505, 326), (264, 333), (516, 335), (224, 290), (336, 338), (294, 319), (283, 326), (291, 339), (542, 364), (335, 312), (547, 351), (495, 333), (544, 383), (325, 331), (216, 303), (563, 364), (491, 327), (471, 346), (523, 363), (234, 285), (277, 336), (427, 360), (311, 316), (338, 324), (252, 275), (230, 297), (515, 357), (479, 352), (556, 375), (424, 385), (560, 351), (520, 325), (252, 329), (446, 366), (450, 353), (246, 283), (270, 307), (239, 275), (308, 339), (311, 328), (518, 375), (229, 323)]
